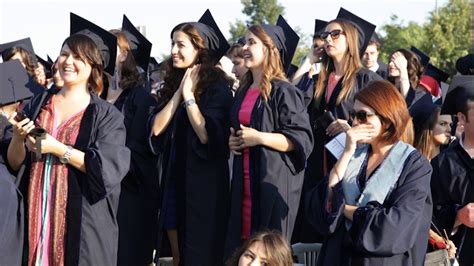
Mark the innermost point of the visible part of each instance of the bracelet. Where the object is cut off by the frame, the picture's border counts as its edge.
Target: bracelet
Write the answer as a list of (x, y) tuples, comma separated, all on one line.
[(189, 102)]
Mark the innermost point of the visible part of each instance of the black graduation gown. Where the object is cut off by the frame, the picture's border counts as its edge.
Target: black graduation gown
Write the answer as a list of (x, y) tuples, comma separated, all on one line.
[(201, 173), (452, 186), (93, 197), (276, 178), (392, 233), (139, 188), (11, 218), (414, 95), (304, 232), (382, 71)]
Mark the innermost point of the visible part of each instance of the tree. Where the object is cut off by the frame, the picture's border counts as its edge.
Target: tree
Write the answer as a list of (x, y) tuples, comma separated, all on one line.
[(259, 12), (445, 37)]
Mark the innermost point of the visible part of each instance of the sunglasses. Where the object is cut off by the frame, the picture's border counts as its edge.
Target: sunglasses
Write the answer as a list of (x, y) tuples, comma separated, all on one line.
[(361, 115), (334, 34)]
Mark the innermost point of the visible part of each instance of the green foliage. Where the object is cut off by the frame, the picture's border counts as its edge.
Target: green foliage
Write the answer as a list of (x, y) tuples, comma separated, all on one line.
[(445, 36), (259, 12)]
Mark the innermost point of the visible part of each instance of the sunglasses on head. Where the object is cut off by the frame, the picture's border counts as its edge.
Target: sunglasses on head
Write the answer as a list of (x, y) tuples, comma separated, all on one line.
[(334, 34), (361, 115)]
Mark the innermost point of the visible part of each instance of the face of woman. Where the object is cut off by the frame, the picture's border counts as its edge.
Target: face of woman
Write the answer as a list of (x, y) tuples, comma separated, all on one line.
[(238, 68), (335, 43), (366, 115), (121, 56), (442, 130), (72, 68), (183, 52), (253, 51), (254, 255)]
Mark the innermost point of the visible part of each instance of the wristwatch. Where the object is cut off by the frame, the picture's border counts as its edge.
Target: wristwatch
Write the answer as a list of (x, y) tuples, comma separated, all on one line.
[(189, 102), (67, 155)]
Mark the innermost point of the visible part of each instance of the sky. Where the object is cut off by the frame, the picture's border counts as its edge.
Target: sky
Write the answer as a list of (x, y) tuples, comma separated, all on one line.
[(47, 22)]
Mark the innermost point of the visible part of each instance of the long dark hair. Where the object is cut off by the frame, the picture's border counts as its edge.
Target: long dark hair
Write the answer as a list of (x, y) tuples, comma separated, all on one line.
[(85, 48), (208, 72), (129, 76)]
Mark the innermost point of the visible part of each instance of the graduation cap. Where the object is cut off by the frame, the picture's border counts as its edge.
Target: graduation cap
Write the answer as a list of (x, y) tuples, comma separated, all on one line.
[(365, 28), (23, 43), (105, 41), (421, 111), (47, 66), (319, 26), (15, 84), (213, 38), (432, 79), (465, 64), (460, 90), (139, 45), (424, 58), (285, 39)]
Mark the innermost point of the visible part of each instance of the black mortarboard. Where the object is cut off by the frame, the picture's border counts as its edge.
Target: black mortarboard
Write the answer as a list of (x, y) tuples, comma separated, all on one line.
[(285, 39), (465, 64), (47, 66), (212, 36), (436, 73), (23, 43), (106, 42), (424, 58), (460, 90), (290, 45), (319, 26), (421, 111), (14, 83), (365, 28), (139, 45), (49, 59)]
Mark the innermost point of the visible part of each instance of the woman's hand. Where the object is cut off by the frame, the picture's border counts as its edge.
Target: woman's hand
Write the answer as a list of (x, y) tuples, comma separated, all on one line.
[(358, 134), (21, 128), (249, 137), (337, 126), (451, 249), (48, 145), (189, 81), (234, 142), (400, 61)]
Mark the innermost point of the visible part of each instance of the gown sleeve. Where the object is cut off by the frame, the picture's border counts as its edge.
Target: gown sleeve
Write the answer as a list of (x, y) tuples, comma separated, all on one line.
[(293, 122), (388, 229), (107, 159)]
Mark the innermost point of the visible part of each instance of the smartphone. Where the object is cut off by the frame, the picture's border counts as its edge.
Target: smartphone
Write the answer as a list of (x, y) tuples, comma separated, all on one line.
[(20, 115)]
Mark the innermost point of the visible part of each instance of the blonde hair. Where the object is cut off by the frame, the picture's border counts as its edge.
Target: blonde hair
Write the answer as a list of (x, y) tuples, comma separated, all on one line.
[(351, 63), (272, 65)]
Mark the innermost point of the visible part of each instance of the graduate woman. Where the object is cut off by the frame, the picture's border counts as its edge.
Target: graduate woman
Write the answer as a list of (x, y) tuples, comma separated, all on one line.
[(72, 190), (190, 129), (375, 207), (138, 197), (270, 137)]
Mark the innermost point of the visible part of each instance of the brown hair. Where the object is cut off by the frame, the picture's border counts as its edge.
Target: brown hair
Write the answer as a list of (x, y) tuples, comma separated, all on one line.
[(424, 137), (208, 72), (277, 250), (351, 64), (85, 48), (26, 58), (414, 67), (129, 76), (235, 51), (272, 65), (388, 103)]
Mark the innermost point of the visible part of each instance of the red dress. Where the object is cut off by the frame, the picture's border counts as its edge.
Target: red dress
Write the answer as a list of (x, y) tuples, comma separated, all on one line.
[(244, 119)]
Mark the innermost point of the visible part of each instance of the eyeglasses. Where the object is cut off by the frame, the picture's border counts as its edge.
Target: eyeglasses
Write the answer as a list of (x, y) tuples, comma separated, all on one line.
[(361, 115), (334, 34)]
